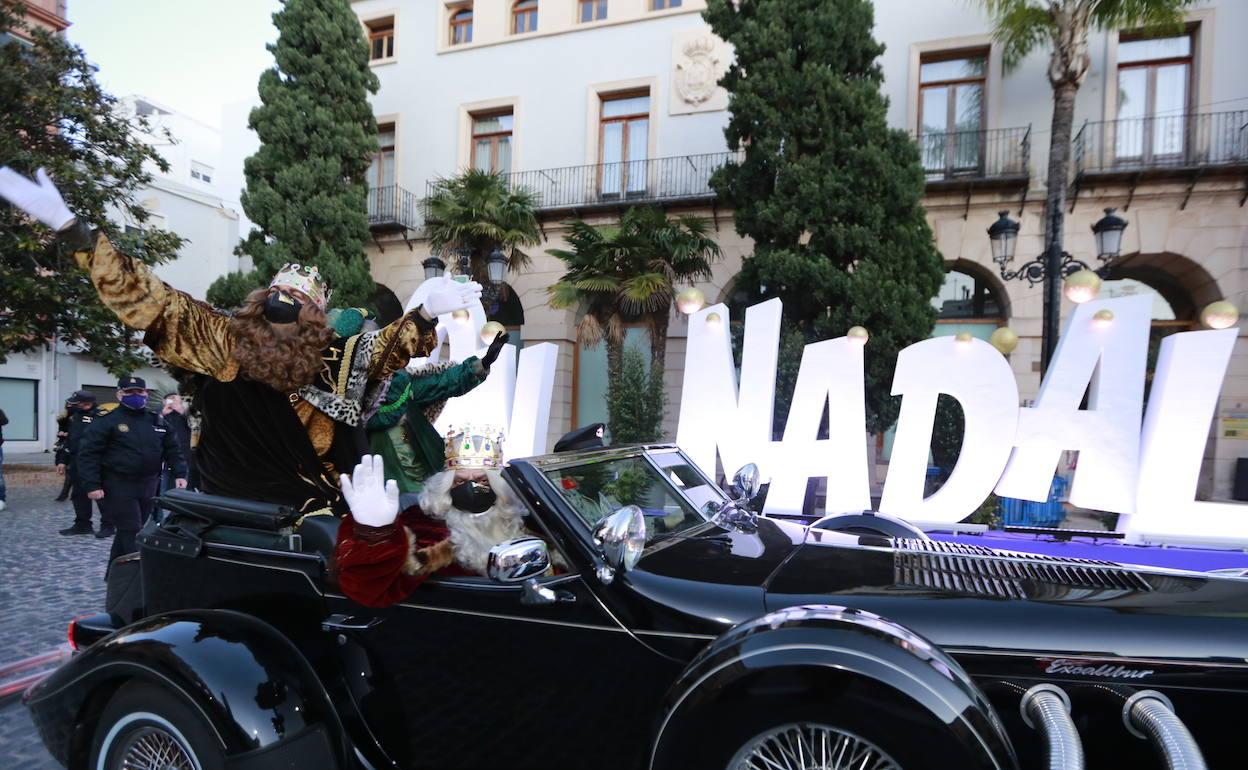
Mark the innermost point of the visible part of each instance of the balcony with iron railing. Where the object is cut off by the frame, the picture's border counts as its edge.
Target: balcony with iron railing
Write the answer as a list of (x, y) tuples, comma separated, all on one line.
[(1163, 144), (683, 178), (999, 157), (392, 209)]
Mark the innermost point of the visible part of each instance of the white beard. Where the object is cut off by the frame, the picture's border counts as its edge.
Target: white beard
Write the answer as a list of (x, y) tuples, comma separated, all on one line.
[(474, 534)]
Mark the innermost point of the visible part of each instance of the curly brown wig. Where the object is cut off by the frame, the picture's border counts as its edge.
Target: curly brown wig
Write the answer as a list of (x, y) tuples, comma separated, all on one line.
[(283, 356)]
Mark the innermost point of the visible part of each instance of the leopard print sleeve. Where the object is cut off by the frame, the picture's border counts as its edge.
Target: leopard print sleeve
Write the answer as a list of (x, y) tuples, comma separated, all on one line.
[(181, 331)]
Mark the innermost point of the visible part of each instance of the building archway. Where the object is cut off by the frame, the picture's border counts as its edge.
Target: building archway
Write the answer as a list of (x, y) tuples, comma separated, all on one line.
[(971, 299)]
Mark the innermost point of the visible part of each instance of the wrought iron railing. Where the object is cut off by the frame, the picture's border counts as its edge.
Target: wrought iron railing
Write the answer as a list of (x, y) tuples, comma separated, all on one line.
[(393, 208), (655, 180), (998, 153), (1187, 141)]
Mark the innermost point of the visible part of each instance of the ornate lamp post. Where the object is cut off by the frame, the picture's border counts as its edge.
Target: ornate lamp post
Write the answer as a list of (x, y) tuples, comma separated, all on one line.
[(434, 267), (496, 267), (1053, 265)]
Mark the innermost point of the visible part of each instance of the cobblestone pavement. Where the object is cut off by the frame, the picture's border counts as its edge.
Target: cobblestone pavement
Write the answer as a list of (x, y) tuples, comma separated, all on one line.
[(45, 580)]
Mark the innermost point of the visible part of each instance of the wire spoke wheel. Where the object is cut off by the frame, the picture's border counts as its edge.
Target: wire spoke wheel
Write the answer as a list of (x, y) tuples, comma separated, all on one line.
[(153, 748), (810, 747)]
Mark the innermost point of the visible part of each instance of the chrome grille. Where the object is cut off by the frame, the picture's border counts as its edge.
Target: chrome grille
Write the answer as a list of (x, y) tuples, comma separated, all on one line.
[(979, 570)]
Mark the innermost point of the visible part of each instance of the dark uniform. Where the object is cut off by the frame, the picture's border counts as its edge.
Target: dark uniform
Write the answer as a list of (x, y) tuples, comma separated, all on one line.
[(79, 420), (121, 453)]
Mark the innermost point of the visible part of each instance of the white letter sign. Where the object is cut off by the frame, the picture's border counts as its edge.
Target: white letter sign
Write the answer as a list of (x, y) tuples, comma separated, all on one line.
[(973, 372)]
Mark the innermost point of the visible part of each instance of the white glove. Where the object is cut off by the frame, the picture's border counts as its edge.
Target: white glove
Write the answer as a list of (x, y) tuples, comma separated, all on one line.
[(449, 297), (39, 199), (374, 502)]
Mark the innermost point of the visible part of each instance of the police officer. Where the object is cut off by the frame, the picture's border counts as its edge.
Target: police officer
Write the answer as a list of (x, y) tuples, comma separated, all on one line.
[(82, 411), (119, 461)]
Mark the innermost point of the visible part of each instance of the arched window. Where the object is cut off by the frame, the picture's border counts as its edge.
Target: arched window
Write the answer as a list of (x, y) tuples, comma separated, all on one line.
[(968, 301), (524, 17), (461, 25)]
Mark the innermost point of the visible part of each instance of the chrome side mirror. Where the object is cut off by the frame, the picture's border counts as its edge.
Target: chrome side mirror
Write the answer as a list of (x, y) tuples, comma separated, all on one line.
[(621, 537), (744, 487), (515, 561)]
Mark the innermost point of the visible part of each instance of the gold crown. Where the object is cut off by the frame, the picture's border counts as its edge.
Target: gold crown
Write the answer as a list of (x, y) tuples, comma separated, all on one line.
[(305, 278), (473, 447)]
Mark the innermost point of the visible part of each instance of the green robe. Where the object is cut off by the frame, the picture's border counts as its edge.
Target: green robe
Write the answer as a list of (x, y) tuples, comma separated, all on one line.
[(402, 431)]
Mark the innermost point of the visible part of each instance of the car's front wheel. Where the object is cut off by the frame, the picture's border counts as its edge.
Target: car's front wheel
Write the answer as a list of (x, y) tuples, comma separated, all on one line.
[(810, 746), (145, 727)]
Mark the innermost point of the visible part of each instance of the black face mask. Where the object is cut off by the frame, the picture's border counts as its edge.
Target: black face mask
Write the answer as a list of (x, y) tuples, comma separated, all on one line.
[(281, 308), (473, 497)]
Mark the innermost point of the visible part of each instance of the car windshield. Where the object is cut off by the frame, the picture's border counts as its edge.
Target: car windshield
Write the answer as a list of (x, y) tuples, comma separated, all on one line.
[(596, 490)]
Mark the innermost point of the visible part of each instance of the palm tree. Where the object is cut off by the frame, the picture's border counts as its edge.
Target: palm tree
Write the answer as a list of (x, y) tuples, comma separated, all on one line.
[(480, 211), (628, 273), (1023, 25)]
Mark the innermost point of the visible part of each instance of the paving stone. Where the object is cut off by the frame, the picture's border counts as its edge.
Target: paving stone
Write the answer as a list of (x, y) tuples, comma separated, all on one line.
[(46, 580)]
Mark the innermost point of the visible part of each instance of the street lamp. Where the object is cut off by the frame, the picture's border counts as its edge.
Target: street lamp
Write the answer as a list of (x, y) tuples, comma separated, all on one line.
[(1004, 237), (1054, 264), (434, 267), (496, 266), (1108, 231)]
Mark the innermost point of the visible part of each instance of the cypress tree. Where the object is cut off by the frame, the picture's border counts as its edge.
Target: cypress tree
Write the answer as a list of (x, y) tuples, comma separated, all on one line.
[(306, 189), (829, 193)]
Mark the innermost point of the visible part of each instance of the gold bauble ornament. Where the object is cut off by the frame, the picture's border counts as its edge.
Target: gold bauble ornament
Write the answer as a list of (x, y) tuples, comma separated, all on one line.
[(963, 337), (1219, 315), (1081, 286), (460, 315), (857, 334), (1004, 340), (714, 320), (1103, 318), (690, 301), (491, 330)]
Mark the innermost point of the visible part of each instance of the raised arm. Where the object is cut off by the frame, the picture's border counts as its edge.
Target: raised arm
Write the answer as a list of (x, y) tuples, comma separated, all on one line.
[(180, 330), (379, 559), (415, 334)]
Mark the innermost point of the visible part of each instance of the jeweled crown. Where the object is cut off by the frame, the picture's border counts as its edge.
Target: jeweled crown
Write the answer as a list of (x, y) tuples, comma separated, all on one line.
[(474, 447), (305, 278)]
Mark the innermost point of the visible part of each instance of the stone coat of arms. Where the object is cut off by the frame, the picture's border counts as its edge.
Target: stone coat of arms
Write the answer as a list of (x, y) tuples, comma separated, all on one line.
[(697, 73)]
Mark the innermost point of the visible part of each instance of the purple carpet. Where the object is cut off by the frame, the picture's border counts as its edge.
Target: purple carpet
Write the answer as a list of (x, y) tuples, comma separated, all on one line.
[(1198, 559)]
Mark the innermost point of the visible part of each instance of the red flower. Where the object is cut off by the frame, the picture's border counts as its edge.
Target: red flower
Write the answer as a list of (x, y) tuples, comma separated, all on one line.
[(568, 483)]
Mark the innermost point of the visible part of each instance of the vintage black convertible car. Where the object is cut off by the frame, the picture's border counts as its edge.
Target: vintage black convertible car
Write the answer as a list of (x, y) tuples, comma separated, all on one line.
[(687, 633)]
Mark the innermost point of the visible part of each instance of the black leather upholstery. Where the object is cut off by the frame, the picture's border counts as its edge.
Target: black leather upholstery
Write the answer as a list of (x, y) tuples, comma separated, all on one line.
[(228, 510), (320, 534)]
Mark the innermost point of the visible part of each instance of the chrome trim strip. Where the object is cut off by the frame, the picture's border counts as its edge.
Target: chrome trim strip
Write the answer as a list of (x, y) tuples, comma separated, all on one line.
[(522, 619), (785, 647), (588, 457), (1038, 655), (300, 555)]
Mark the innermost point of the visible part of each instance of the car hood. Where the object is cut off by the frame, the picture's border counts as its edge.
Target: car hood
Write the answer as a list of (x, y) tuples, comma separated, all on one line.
[(972, 599)]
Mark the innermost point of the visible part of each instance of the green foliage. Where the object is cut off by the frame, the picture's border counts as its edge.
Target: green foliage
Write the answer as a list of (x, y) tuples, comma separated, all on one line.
[(635, 400), (630, 487), (1021, 26), (306, 189), (947, 431), (625, 273), (480, 211), (831, 196), (57, 117), (229, 291), (988, 512)]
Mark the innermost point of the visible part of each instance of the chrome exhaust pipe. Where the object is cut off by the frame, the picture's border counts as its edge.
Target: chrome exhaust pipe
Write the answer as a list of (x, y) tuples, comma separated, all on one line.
[(1150, 715), (1046, 709)]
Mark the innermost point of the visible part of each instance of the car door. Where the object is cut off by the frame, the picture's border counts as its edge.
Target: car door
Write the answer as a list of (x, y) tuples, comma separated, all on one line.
[(465, 673)]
